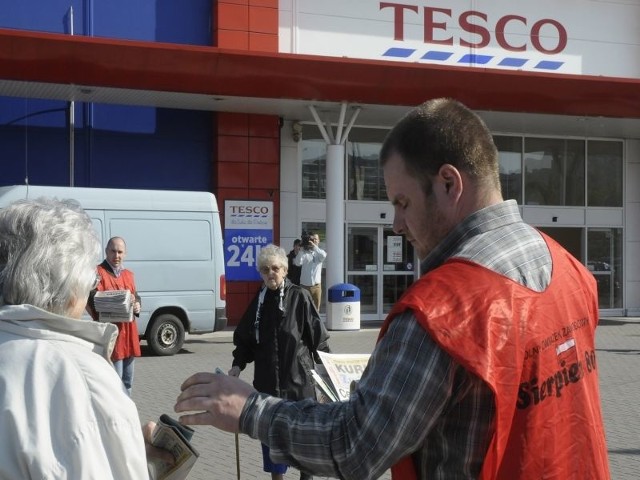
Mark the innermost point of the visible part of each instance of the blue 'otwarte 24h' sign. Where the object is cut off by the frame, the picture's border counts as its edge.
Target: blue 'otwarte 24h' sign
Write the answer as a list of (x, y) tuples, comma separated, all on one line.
[(248, 228)]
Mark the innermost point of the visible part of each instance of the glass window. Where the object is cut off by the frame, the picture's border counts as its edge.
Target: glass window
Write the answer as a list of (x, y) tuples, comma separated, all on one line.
[(366, 181), (368, 285), (393, 288), (554, 172), (604, 260), (571, 238), (362, 248), (604, 173), (510, 157), (314, 168), (364, 172)]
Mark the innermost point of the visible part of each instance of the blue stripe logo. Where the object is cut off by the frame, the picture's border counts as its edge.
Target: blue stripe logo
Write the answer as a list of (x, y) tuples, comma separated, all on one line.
[(471, 59)]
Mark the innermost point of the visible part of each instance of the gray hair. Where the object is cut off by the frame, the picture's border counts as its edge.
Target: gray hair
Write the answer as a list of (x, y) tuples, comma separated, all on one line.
[(48, 254), (269, 252)]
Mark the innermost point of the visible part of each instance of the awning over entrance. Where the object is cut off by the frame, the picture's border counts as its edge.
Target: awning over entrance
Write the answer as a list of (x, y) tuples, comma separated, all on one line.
[(89, 69)]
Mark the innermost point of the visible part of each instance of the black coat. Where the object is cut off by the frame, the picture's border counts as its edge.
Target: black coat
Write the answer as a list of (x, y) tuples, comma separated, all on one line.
[(294, 271), (287, 340)]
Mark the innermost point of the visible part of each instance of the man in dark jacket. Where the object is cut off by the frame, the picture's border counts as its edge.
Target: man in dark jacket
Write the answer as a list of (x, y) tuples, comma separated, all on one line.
[(293, 273)]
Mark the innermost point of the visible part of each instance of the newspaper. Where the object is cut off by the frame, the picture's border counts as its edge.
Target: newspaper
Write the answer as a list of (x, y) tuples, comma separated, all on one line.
[(114, 305), (169, 435), (341, 371), (325, 393)]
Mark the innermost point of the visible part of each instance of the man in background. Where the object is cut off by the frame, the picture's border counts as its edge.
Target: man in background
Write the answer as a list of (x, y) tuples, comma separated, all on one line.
[(113, 276), (294, 270), (310, 258)]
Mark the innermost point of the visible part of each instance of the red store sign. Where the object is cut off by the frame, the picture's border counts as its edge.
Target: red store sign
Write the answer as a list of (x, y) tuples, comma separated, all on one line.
[(437, 20)]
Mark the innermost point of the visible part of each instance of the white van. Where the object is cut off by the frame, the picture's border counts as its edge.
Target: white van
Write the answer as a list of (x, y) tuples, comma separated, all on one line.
[(174, 249)]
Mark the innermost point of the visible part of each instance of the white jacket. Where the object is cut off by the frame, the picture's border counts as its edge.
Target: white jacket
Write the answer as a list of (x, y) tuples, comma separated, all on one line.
[(64, 413)]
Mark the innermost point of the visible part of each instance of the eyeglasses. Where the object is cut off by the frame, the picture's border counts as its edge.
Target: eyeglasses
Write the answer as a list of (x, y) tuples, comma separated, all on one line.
[(274, 268), (96, 282)]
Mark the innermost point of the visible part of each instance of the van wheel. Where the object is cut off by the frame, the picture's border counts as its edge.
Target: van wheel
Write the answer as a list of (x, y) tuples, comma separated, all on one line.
[(166, 335)]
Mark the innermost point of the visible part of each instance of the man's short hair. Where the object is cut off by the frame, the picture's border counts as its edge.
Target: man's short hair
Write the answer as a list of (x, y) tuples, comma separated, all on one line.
[(443, 131)]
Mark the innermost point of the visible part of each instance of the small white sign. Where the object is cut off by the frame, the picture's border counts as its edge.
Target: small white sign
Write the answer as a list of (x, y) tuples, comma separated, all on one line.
[(394, 249)]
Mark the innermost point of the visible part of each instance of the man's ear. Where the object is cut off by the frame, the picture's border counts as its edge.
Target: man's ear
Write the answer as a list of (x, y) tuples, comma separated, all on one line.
[(450, 180)]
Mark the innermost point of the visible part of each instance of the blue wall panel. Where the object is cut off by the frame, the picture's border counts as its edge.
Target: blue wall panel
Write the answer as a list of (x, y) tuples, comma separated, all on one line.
[(171, 21), (115, 145), (38, 155), (183, 21), (44, 16), (175, 155)]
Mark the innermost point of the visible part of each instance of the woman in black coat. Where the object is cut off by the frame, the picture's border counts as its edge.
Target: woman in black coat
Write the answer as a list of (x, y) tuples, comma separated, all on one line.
[(281, 332)]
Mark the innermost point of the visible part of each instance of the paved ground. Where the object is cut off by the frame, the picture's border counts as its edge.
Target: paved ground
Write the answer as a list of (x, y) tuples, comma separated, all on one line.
[(158, 378)]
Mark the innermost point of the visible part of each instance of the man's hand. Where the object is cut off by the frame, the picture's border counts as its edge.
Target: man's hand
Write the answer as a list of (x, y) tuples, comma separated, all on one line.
[(136, 308), (234, 371), (219, 399)]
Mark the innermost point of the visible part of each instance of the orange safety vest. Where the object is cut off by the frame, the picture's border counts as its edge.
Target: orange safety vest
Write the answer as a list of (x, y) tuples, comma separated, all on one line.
[(128, 342), (535, 350)]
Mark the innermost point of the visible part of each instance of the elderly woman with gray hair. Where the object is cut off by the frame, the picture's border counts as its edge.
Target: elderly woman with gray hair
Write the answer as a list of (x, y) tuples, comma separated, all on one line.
[(65, 413), (281, 332)]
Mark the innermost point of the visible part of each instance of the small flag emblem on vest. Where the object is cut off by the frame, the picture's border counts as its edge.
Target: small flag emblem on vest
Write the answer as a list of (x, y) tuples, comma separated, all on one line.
[(567, 352)]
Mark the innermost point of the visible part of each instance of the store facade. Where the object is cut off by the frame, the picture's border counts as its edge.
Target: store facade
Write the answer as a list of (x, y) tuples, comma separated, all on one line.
[(290, 101)]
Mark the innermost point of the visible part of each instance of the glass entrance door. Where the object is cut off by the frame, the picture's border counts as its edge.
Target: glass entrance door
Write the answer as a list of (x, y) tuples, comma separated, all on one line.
[(381, 264), (604, 259)]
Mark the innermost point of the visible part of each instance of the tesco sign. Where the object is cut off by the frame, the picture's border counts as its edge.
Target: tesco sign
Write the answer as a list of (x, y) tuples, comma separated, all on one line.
[(436, 22), (249, 209), (248, 226)]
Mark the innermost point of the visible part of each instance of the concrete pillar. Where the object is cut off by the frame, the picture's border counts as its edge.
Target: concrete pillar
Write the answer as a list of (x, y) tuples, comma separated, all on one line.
[(335, 214), (335, 194)]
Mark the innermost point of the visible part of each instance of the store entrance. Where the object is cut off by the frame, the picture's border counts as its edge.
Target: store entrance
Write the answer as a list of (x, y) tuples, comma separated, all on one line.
[(603, 258), (381, 264)]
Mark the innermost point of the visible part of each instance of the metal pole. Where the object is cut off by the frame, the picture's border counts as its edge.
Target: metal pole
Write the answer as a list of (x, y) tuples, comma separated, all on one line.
[(72, 121), (238, 456)]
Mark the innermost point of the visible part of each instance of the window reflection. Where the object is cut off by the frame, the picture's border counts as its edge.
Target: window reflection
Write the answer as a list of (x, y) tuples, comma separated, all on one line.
[(314, 168), (510, 157), (368, 285), (604, 260), (393, 288), (362, 248), (554, 172), (604, 170), (366, 181)]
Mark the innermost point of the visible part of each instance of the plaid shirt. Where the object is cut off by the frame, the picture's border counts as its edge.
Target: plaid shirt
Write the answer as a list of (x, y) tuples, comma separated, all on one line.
[(413, 398)]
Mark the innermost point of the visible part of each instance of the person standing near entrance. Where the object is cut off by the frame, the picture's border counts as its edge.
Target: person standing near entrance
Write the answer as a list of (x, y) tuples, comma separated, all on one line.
[(310, 258), (294, 271), (113, 276), (486, 367)]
